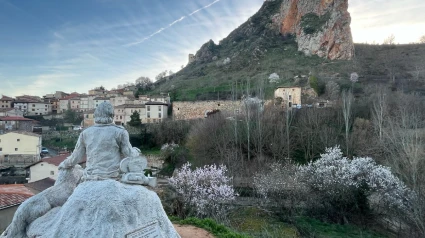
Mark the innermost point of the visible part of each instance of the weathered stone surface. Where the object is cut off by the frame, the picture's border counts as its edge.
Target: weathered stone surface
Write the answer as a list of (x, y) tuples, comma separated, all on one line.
[(105, 208), (321, 27), (206, 53)]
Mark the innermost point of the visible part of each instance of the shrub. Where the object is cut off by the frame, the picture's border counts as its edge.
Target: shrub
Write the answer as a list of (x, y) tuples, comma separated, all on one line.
[(204, 191), (312, 23), (339, 188)]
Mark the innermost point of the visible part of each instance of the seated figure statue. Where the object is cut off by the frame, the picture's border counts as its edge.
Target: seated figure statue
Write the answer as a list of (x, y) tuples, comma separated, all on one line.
[(104, 143)]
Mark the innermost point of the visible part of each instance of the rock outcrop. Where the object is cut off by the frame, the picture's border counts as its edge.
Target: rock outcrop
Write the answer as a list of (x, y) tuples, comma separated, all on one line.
[(321, 27), (206, 53)]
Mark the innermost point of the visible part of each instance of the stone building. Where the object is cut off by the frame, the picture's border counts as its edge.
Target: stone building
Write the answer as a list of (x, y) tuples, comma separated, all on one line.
[(200, 109), (288, 96), (6, 102)]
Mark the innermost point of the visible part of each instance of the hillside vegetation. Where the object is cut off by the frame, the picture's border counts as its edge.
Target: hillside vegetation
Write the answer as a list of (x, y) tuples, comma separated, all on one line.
[(256, 49)]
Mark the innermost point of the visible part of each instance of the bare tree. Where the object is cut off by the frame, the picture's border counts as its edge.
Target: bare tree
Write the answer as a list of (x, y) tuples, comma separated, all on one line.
[(422, 39), (380, 111), (404, 141), (390, 40), (347, 112)]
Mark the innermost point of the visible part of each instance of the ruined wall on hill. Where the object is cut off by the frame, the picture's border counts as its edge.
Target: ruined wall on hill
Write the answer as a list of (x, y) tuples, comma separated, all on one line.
[(196, 110)]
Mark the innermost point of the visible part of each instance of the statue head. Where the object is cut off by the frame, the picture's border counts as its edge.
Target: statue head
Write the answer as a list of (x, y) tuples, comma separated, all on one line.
[(104, 113)]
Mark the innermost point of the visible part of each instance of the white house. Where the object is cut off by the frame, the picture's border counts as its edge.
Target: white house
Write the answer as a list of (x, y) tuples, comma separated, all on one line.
[(19, 148), (39, 108), (47, 168), (123, 113), (155, 112)]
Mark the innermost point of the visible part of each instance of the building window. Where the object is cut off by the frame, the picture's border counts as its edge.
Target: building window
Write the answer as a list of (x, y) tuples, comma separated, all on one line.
[(290, 97), (120, 117), (149, 108), (52, 172), (33, 109), (149, 115), (159, 108), (159, 115), (1, 149), (33, 105), (16, 149), (18, 140)]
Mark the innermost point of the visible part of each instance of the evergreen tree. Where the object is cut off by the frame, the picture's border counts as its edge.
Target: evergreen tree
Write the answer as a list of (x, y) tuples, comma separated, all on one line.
[(135, 119)]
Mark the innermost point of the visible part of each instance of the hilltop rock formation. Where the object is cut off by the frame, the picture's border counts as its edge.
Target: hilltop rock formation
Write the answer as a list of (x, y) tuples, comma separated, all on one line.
[(321, 27)]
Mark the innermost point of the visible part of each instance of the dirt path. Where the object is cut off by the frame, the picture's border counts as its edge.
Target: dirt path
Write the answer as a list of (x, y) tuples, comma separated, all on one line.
[(187, 231)]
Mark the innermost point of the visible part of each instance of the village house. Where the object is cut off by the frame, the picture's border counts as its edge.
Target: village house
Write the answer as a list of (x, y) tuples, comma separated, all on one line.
[(288, 96), (19, 148), (11, 112), (121, 100), (9, 123), (98, 100), (65, 102), (38, 108), (74, 103), (123, 113), (88, 118), (100, 91), (155, 112), (6, 102), (22, 105), (47, 168), (11, 196), (40, 185)]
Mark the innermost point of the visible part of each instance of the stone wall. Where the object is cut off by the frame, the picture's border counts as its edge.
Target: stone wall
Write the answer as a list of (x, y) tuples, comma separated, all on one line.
[(196, 110)]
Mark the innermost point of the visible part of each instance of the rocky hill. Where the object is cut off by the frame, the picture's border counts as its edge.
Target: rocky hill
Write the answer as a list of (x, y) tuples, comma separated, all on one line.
[(293, 38)]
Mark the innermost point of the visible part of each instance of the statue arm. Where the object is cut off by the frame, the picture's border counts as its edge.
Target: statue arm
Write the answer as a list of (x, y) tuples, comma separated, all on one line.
[(126, 149), (76, 156)]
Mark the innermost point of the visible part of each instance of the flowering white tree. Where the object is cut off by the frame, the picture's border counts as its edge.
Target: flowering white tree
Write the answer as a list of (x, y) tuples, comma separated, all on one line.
[(204, 191), (338, 187), (334, 172), (274, 78), (354, 77)]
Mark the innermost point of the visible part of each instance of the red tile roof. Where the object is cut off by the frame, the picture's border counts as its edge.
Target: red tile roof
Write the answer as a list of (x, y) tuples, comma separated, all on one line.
[(6, 98), (13, 194), (70, 97), (56, 160), (41, 185)]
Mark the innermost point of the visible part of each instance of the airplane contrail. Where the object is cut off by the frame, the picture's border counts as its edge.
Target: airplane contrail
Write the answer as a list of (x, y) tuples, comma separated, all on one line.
[(171, 24)]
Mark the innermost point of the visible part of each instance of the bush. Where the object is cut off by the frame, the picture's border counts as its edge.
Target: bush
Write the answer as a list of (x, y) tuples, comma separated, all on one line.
[(203, 192), (337, 188), (313, 23)]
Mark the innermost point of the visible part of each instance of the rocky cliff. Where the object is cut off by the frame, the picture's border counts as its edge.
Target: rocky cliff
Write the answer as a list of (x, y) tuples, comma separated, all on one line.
[(321, 27)]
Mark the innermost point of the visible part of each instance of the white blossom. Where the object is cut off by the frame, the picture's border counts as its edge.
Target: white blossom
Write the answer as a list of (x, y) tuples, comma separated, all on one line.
[(205, 189)]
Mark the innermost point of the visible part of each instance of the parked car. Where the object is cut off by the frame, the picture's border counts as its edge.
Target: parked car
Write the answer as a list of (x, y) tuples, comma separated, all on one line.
[(44, 150)]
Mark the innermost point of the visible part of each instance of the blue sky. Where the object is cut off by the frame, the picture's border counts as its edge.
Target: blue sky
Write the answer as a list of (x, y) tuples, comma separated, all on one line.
[(49, 45)]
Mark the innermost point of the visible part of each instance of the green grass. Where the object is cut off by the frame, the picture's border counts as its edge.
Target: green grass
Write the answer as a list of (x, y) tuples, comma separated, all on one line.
[(309, 227), (258, 223), (219, 231), (151, 151), (60, 144)]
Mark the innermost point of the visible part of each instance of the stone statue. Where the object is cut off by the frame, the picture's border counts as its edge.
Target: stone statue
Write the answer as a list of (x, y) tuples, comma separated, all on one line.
[(103, 144), (38, 205), (133, 169), (108, 201)]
